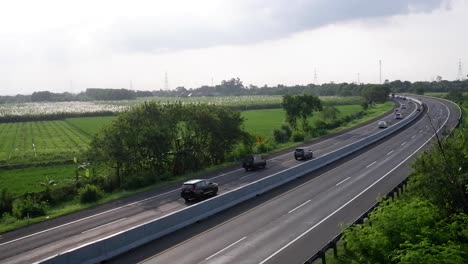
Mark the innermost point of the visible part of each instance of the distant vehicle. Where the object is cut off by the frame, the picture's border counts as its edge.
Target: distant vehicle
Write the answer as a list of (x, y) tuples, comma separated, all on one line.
[(382, 124), (198, 189), (398, 116), (403, 106), (303, 153), (397, 110), (253, 161)]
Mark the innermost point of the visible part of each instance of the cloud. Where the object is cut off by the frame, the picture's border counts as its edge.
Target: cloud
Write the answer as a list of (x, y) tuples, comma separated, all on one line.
[(248, 22)]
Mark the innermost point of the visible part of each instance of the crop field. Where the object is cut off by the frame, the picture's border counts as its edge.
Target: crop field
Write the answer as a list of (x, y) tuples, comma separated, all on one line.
[(29, 142), (53, 144), (90, 125), (29, 179), (39, 141), (240, 102)]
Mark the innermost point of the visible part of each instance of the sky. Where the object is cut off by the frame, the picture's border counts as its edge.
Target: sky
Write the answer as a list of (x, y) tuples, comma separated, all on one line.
[(68, 46)]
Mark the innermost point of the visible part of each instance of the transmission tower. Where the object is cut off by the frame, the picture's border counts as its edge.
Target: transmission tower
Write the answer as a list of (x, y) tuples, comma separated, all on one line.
[(166, 81), (460, 71), (380, 71), (358, 78), (315, 77)]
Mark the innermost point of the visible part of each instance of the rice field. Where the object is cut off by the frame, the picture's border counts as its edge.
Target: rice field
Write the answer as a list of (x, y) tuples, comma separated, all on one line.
[(39, 141)]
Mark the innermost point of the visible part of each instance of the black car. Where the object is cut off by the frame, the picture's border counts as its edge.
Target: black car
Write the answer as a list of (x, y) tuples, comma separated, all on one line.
[(253, 161), (198, 189), (303, 153)]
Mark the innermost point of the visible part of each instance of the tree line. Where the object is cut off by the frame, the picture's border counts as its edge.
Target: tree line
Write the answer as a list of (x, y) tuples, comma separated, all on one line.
[(235, 87)]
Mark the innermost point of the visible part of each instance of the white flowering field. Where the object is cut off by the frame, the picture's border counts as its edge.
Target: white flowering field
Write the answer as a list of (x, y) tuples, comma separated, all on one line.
[(58, 107)]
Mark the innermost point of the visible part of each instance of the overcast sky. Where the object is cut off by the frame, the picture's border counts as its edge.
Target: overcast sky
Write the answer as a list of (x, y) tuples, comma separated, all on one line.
[(60, 45)]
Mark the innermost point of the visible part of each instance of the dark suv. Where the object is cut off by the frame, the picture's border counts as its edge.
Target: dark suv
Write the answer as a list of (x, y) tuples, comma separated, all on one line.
[(253, 161), (198, 189), (303, 153)]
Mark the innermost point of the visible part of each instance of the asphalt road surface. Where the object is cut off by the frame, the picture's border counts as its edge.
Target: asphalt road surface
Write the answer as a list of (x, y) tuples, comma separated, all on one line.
[(52, 237), (297, 220)]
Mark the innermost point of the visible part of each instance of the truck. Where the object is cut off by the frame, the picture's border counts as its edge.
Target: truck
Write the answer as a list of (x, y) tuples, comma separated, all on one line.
[(253, 161)]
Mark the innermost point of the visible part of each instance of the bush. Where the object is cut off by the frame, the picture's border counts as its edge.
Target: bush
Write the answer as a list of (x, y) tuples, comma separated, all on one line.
[(29, 207), (280, 135), (90, 193), (6, 201), (265, 146), (287, 129), (298, 136)]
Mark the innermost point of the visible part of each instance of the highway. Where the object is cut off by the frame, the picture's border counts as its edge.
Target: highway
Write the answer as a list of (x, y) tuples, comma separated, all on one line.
[(43, 240), (294, 223)]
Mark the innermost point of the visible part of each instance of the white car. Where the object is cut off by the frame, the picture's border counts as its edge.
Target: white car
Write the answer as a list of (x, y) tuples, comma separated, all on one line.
[(403, 106), (382, 124), (398, 116)]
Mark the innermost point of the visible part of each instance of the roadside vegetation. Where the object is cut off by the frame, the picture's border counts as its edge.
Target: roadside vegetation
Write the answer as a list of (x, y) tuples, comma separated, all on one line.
[(119, 155), (429, 222)]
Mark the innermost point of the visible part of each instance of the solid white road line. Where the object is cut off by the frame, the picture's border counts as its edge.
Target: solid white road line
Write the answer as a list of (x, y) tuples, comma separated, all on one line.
[(342, 181), (355, 197), (103, 225), (390, 152), (225, 248), (371, 164), (299, 206)]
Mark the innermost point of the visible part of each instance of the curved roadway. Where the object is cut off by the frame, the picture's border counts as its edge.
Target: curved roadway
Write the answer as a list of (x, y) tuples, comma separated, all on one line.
[(299, 221), (43, 241)]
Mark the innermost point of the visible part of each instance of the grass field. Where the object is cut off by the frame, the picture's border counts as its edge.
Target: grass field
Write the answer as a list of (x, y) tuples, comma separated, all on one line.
[(263, 122), (18, 181), (38, 141), (90, 125), (29, 179)]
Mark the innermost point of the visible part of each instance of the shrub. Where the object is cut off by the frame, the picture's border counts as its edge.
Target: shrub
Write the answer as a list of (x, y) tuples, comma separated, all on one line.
[(265, 146), (298, 136), (6, 201), (287, 129), (90, 193), (280, 135), (29, 207)]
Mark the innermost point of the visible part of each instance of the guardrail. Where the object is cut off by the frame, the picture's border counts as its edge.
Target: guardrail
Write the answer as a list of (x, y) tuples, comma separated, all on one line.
[(393, 194), (321, 254), (126, 240)]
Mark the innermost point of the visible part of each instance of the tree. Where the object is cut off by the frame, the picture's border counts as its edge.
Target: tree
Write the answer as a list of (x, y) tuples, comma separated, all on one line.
[(300, 107), (441, 175), (330, 112), (376, 94)]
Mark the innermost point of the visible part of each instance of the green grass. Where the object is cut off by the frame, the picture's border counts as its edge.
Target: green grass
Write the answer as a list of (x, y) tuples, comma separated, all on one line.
[(39, 141), (263, 122), (90, 125), (19, 181)]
